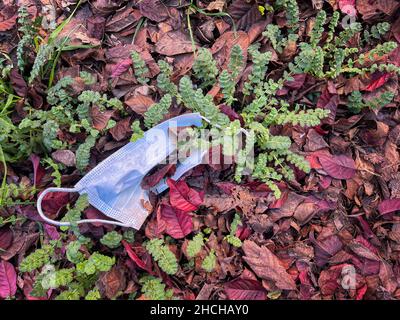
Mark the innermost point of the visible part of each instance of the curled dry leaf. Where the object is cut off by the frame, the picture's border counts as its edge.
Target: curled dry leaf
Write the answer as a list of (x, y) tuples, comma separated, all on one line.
[(38, 170), (135, 258)]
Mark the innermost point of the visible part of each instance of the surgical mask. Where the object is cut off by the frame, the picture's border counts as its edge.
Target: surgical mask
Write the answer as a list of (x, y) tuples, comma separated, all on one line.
[(113, 186)]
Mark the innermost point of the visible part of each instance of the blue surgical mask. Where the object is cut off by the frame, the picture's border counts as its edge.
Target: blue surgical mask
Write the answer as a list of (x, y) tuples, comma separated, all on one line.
[(113, 186)]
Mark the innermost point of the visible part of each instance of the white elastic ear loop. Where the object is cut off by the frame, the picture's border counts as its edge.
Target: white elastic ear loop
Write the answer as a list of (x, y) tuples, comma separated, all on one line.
[(62, 224)]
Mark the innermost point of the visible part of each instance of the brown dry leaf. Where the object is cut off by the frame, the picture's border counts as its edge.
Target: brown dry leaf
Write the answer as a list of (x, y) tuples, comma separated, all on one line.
[(112, 282), (240, 197), (362, 251), (371, 9), (267, 266), (222, 47), (121, 129), (288, 208), (154, 10), (314, 141), (364, 168), (305, 211), (122, 20), (216, 5), (289, 51), (139, 100), (245, 13), (392, 159), (100, 119), (173, 43), (66, 157)]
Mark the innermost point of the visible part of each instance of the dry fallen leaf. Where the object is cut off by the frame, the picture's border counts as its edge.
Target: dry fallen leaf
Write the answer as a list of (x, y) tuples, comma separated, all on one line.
[(267, 266)]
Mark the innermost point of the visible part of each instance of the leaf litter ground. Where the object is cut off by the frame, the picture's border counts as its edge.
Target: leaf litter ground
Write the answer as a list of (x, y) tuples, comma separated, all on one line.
[(333, 234)]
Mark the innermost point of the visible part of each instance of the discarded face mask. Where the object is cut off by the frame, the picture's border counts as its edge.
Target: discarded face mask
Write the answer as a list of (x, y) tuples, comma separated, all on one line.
[(113, 186)]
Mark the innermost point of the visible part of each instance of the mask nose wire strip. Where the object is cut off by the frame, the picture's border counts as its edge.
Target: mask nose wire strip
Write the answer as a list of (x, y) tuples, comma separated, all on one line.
[(62, 224)]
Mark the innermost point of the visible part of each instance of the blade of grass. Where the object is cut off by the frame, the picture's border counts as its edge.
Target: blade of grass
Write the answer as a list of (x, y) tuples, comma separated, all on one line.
[(3, 183)]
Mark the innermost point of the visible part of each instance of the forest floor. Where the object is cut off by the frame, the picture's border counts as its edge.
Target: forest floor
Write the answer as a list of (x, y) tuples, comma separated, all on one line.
[(315, 81)]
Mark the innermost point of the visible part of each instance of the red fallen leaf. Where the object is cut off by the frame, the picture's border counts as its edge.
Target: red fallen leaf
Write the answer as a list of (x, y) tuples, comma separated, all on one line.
[(243, 232), (326, 248), (178, 223), (153, 179), (93, 213), (329, 101), (325, 182), (313, 160), (38, 170), (54, 201), (18, 83), (295, 84), (279, 202), (387, 276), (367, 230), (8, 24), (52, 232), (329, 279), (8, 280), (338, 167), (361, 292), (6, 238), (232, 114), (378, 82), (182, 197), (245, 289), (139, 262), (121, 67), (321, 130), (389, 206)]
